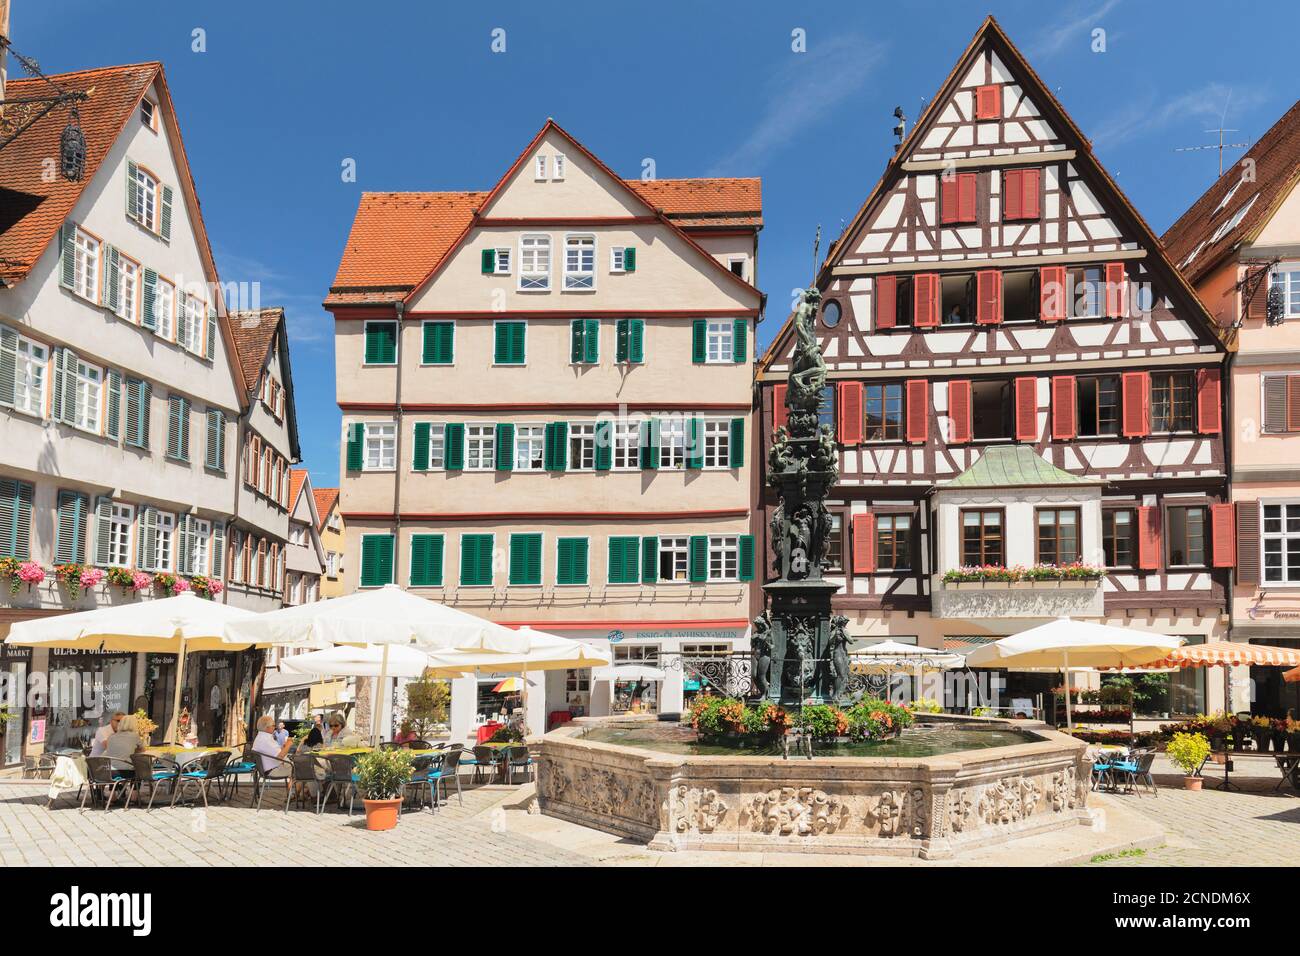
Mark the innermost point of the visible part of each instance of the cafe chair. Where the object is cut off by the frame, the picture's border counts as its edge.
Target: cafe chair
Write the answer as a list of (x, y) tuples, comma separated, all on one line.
[(425, 769), (518, 757), (341, 779), (210, 769), (448, 774), (148, 770), (102, 780), (419, 744), (282, 772), (391, 745), (485, 761), (245, 766), (309, 776)]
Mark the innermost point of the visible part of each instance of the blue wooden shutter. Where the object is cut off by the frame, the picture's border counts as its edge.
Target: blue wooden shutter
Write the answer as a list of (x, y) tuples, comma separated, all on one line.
[(165, 214), (103, 529), (149, 301), (113, 404), (132, 188), (15, 519), (8, 365), (68, 256)]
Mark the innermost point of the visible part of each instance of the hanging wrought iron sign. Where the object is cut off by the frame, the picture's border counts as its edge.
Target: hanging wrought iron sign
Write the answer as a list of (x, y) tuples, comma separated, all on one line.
[(72, 149)]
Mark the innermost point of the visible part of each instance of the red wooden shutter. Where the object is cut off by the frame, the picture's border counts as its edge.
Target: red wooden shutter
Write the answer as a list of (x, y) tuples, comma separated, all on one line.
[(1029, 180), (1052, 293), (925, 293), (959, 415), (1063, 407), (1137, 399), (1257, 306), (918, 410), (886, 301), (966, 183), (849, 401), (988, 102), (1026, 409), (1209, 402), (1291, 420), (1148, 538), (864, 543), (950, 190), (988, 297), (1221, 536), (1116, 290), (1011, 192), (780, 414), (1248, 542)]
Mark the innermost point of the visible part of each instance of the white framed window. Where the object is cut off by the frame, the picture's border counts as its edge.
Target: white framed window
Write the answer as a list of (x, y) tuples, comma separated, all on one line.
[(128, 286), (539, 166), (164, 536), (437, 445), (1227, 197), (480, 447), (737, 265), (616, 259), (674, 559), (164, 305), (1234, 220), (195, 318), (1288, 280), (724, 557), (202, 530), (720, 341), (534, 263), (530, 447), (149, 114), (381, 446), (558, 167), (502, 260), (579, 263), (332, 564), (627, 445), (85, 276), (1281, 534), (717, 444), (89, 390), (29, 376), (120, 519), (146, 199), (672, 443), (582, 446)]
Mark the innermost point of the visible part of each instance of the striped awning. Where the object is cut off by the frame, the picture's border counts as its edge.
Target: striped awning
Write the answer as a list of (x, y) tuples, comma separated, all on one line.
[(1220, 653), (1292, 676)]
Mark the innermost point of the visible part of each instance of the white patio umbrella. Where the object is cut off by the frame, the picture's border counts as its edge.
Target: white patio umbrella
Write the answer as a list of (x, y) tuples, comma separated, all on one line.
[(628, 672), (383, 616), (1066, 643), (366, 661), (174, 625)]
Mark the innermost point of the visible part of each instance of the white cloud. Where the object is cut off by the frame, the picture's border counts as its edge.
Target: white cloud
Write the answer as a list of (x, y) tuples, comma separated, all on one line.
[(259, 286), (803, 93), (1074, 21), (1146, 115)]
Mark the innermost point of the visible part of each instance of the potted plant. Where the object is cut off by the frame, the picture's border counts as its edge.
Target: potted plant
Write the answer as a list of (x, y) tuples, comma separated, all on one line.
[(1279, 735), (1293, 734), (1261, 729), (1188, 752), (381, 776)]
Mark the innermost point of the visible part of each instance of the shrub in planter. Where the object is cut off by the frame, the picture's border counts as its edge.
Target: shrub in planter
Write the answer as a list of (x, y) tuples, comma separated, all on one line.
[(1188, 752), (821, 721), (873, 719), (381, 776)]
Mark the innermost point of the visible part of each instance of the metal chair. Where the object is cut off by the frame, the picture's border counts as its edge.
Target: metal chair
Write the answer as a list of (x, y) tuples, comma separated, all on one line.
[(449, 773), (101, 777), (147, 769), (341, 778), (1102, 775), (309, 771), (418, 744), (518, 756), (211, 768), (390, 745), (1136, 769), (486, 762), (282, 772), (245, 766), (425, 769)]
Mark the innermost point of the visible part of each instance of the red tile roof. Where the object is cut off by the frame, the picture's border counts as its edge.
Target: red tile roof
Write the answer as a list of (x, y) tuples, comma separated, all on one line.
[(254, 333), (325, 501), (297, 478), (695, 202), (31, 208), (1276, 159)]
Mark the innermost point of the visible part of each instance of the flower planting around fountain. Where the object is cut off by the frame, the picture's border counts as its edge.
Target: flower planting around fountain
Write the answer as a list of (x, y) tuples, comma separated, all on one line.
[(727, 718)]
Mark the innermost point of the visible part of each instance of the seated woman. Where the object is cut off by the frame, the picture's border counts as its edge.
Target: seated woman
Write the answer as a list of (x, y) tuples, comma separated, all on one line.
[(405, 734), (335, 731), (123, 743), (271, 752)]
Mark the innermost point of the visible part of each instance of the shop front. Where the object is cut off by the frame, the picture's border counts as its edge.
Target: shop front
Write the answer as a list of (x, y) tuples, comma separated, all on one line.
[(85, 688), (15, 666)]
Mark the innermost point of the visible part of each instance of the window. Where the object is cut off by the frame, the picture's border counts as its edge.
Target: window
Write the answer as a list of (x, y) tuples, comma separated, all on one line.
[(164, 535), (1058, 536), (85, 277), (1227, 197), (1288, 282), (672, 443), (119, 534), (480, 447), (558, 167), (534, 263), (510, 342), (381, 446), (539, 166), (525, 559), (991, 411), (616, 260), (16, 518), (381, 343), (146, 199), (835, 545), (501, 261), (736, 264), (1020, 299), (437, 445), (426, 561), (190, 331), (577, 682), (1234, 220), (376, 560), (674, 559), (571, 561), (627, 445), (530, 447), (893, 542), (981, 538), (717, 444), (164, 307), (624, 564), (332, 564), (475, 560), (1099, 398), (89, 388), (582, 446), (579, 263), (128, 283), (724, 557), (147, 114), (29, 376), (1088, 299), (720, 341), (1171, 401), (1119, 537), (1187, 528), (883, 405), (957, 299), (199, 532), (1281, 534)]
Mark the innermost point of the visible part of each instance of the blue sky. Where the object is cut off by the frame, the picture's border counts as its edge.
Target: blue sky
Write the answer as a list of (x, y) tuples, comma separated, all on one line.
[(286, 91)]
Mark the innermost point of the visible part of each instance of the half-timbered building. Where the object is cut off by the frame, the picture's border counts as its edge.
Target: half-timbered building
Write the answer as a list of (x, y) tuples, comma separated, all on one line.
[(1017, 377)]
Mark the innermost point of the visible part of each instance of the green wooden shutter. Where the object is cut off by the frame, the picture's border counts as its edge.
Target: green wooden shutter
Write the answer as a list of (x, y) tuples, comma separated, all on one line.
[(65, 386), (636, 341), (420, 456), (68, 256), (623, 565), (185, 429), (218, 564), (453, 455), (556, 446), (182, 319), (525, 559), (133, 412), (576, 351), (699, 558), (736, 447), (16, 519), (149, 301), (426, 560), (629, 259), (571, 561), (439, 339), (649, 559), (165, 214), (475, 559), (184, 544), (376, 560), (699, 341), (591, 341), (381, 343), (650, 443), (215, 423), (146, 538), (509, 346), (210, 346), (746, 557), (488, 260), (70, 528), (113, 405), (517, 338), (739, 343), (604, 445), (621, 340), (175, 410), (356, 446), (8, 365), (109, 293), (132, 187), (505, 446), (103, 527), (695, 443)]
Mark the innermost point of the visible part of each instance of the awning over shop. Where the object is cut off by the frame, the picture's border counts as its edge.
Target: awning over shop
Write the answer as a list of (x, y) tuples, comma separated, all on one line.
[(1225, 653)]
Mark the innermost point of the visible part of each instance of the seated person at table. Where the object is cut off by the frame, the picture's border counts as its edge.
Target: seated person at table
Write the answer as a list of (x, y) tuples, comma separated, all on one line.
[(100, 741), (335, 731), (123, 743), (405, 734), (272, 753), (316, 736)]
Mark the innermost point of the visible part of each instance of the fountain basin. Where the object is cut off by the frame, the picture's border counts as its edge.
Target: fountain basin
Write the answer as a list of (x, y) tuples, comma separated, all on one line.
[(1006, 780)]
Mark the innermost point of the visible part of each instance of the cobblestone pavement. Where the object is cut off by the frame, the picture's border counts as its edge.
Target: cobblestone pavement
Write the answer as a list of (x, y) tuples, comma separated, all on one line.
[(233, 834), (1254, 827)]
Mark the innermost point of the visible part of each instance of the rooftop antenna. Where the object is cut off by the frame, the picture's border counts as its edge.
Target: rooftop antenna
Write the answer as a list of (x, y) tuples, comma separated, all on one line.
[(1221, 145)]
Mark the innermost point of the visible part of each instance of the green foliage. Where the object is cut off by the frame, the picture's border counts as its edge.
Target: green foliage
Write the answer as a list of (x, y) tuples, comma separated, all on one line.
[(427, 703), (872, 719), (822, 721), (1188, 751), (508, 734), (926, 705), (381, 774), (713, 716)]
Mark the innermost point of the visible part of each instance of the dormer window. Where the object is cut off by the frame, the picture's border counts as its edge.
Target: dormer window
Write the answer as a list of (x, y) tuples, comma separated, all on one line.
[(1227, 197), (149, 114), (1235, 220)]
